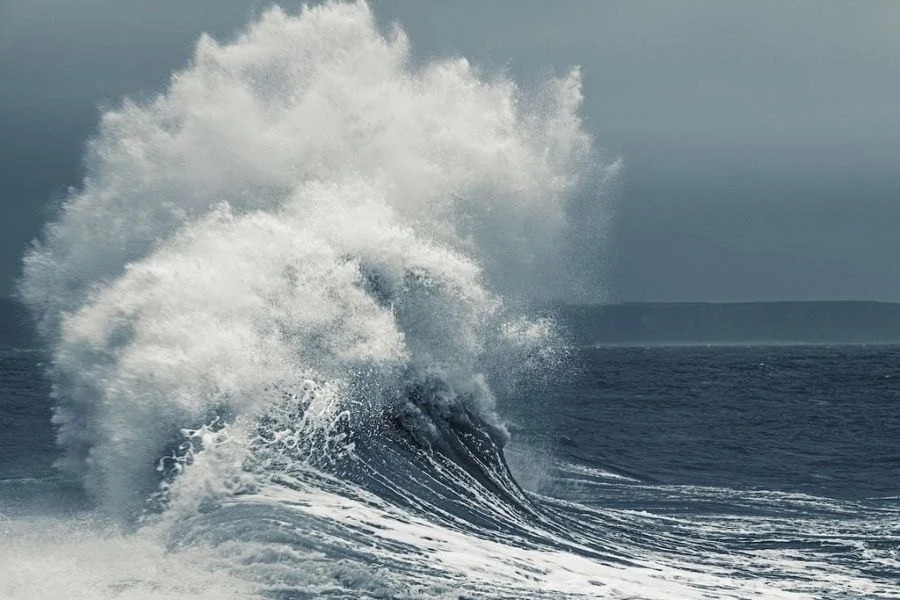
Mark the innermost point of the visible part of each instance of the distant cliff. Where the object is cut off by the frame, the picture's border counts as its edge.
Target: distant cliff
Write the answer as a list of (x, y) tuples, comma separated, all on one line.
[(745, 322), (839, 322)]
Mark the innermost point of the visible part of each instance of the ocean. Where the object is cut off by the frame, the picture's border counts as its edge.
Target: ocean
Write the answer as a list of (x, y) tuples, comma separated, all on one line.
[(652, 472), (294, 343)]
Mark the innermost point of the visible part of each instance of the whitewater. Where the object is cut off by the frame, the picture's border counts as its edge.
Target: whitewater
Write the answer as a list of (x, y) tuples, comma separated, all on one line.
[(286, 323)]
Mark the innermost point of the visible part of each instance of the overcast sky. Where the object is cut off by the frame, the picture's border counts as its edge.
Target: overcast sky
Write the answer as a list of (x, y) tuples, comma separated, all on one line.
[(761, 140)]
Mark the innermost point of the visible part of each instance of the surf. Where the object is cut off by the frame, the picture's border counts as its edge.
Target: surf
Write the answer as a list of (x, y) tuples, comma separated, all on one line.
[(281, 314), (304, 207), (285, 277)]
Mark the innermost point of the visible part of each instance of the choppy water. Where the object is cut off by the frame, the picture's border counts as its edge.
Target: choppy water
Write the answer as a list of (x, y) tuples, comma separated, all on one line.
[(726, 472), (819, 420)]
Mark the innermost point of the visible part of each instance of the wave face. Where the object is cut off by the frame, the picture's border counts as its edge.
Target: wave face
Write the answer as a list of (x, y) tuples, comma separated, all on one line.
[(306, 237)]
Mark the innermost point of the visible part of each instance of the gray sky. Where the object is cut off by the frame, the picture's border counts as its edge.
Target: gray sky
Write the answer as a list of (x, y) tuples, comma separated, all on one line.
[(761, 139)]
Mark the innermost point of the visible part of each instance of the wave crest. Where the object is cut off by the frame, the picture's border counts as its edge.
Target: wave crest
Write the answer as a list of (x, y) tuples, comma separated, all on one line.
[(304, 204)]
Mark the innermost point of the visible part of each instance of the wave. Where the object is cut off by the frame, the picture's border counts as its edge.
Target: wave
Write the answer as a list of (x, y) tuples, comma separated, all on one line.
[(303, 208), (281, 312)]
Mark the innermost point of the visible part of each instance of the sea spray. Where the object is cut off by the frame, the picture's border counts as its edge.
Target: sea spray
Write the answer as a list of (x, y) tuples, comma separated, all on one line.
[(303, 204)]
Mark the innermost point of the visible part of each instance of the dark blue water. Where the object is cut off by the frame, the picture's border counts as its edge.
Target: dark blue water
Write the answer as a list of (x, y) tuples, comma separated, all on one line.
[(758, 462), (26, 437), (814, 419), (819, 420)]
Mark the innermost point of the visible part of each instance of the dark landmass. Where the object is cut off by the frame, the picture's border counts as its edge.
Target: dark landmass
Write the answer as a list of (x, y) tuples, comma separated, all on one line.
[(825, 322), (16, 327)]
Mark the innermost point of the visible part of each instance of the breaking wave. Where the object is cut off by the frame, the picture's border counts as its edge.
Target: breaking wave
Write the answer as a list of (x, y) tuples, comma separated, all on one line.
[(305, 235), (282, 284)]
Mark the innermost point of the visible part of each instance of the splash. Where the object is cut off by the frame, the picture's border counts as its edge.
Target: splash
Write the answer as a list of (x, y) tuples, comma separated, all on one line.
[(303, 206)]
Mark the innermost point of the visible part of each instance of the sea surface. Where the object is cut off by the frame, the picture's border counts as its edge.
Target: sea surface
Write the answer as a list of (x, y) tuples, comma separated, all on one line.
[(650, 472), (287, 353)]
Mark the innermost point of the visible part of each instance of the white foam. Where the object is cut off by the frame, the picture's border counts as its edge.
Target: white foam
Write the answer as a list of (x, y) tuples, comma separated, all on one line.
[(504, 566), (81, 558)]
